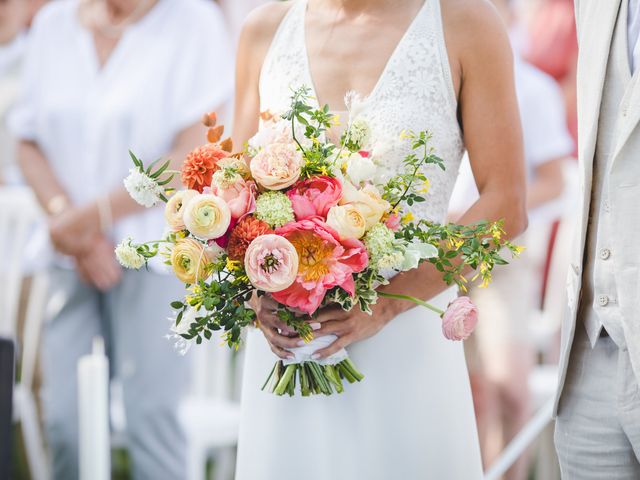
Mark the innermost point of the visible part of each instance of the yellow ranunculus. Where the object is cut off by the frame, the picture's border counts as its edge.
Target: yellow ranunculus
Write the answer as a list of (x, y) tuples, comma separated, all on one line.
[(190, 260), (207, 216)]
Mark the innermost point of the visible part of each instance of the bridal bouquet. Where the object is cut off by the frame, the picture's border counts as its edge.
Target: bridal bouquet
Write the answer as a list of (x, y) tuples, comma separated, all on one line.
[(309, 223)]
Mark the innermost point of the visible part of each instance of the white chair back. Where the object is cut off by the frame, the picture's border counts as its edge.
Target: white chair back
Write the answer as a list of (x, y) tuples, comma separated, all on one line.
[(19, 214)]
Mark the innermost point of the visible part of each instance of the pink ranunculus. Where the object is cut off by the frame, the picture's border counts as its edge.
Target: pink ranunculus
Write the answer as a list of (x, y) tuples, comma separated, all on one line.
[(326, 261), (240, 196), (315, 196), (393, 222), (271, 263), (460, 319)]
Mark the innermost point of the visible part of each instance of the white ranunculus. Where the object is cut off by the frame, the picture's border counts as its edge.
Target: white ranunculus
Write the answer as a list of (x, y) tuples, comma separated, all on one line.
[(128, 255), (415, 252), (142, 188), (360, 169)]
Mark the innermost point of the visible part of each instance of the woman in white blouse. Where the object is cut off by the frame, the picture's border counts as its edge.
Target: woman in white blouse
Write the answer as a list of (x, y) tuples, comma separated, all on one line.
[(103, 77)]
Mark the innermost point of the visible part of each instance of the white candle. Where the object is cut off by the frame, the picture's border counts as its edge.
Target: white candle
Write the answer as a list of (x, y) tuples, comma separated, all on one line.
[(93, 411)]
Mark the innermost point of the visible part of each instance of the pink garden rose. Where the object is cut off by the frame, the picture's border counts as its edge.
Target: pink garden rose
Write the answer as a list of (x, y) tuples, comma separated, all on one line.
[(271, 263), (460, 319), (277, 166), (239, 195), (315, 196), (326, 261)]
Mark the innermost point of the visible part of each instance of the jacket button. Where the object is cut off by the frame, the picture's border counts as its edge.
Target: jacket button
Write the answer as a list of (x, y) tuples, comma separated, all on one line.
[(603, 300), (605, 253)]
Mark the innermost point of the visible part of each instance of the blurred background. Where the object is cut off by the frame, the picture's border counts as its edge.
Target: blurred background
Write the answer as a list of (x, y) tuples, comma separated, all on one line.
[(76, 92)]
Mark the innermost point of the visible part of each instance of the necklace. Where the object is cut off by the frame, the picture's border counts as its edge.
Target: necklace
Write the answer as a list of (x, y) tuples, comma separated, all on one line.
[(96, 15)]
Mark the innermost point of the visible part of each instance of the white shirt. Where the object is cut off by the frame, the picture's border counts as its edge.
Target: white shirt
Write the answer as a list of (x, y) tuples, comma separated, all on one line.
[(166, 71), (545, 135), (633, 33)]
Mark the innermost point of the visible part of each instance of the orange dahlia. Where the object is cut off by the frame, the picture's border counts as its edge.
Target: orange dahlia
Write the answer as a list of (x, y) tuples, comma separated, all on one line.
[(200, 165), (248, 229)]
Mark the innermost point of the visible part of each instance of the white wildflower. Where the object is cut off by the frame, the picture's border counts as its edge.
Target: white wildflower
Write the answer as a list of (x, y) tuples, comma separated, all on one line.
[(142, 188), (128, 255), (360, 133), (182, 345), (355, 103)]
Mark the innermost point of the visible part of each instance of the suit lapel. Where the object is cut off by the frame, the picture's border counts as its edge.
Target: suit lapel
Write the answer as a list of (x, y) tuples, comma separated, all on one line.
[(596, 25)]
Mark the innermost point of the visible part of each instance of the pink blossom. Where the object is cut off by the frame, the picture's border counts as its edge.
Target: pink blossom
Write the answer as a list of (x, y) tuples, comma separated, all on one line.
[(460, 319), (271, 263), (393, 222), (315, 196), (240, 196), (326, 261)]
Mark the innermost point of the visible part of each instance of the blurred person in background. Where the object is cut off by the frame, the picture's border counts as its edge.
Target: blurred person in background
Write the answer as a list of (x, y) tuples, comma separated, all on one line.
[(500, 353), (552, 47), (15, 16), (102, 77)]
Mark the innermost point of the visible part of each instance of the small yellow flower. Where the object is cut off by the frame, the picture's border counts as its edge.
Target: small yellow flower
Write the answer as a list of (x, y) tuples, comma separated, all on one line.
[(407, 217), (404, 135), (335, 120), (518, 249), (485, 282), (324, 170), (232, 265), (455, 243), (425, 186)]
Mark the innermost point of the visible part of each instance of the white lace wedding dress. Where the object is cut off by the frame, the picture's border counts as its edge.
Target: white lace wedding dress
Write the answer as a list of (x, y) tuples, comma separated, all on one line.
[(412, 416)]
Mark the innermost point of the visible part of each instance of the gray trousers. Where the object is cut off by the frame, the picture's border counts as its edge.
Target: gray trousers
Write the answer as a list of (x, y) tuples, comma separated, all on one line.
[(132, 318), (598, 425)]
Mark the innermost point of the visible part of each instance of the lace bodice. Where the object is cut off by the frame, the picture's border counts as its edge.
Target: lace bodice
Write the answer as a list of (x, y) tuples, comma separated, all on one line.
[(414, 92)]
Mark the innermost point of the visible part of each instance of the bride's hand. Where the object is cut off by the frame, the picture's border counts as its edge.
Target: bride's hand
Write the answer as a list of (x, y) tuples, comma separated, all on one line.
[(279, 336), (349, 327)]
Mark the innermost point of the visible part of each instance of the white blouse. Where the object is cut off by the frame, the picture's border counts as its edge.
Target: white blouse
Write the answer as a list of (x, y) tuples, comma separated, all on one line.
[(166, 71)]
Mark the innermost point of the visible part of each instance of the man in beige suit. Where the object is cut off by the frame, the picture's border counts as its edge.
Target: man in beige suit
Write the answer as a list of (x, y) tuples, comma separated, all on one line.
[(598, 408)]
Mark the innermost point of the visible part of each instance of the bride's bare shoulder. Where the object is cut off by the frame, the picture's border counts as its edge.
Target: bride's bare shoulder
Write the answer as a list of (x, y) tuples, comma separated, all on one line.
[(474, 33), (261, 24)]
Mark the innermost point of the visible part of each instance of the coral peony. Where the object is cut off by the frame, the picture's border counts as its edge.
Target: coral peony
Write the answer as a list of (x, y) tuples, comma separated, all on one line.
[(248, 229), (271, 263), (460, 319), (277, 166), (315, 196), (326, 261), (200, 165)]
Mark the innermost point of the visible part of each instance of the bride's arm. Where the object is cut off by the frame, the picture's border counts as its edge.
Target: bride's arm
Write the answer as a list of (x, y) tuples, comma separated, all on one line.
[(482, 66)]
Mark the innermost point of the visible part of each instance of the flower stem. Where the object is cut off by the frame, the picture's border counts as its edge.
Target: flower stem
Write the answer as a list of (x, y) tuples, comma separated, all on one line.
[(415, 300), (283, 384)]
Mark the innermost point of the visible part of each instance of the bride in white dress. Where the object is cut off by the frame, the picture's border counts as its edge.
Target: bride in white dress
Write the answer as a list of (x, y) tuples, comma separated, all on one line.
[(431, 65)]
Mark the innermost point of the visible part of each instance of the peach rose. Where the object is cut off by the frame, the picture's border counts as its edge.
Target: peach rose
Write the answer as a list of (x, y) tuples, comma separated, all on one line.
[(347, 221), (277, 166), (367, 201), (174, 210), (207, 216)]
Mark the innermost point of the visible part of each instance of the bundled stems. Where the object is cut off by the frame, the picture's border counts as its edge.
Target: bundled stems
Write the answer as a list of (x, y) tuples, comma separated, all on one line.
[(313, 378)]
